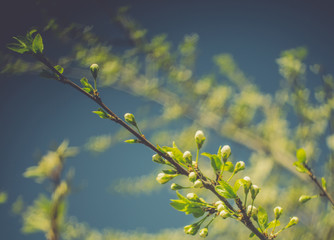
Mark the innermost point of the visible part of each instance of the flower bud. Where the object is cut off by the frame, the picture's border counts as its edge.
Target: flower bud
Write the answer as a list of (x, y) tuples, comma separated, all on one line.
[(247, 185), (304, 198), (225, 214), (252, 211), (239, 166), (94, 69), (254, 191), (278, 211), (158, 159), (192, 176), (192, 196), (130, 119), (220, 207), (163, 177), (191, 229), (226, 152), (187, 157), (199, 138), (175, 186), (198, 184), (218, 203), (203, 232), (293, 221)]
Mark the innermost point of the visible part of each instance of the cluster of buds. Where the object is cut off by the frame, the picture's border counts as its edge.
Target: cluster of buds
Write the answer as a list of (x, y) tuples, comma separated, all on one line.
[(222, 210)]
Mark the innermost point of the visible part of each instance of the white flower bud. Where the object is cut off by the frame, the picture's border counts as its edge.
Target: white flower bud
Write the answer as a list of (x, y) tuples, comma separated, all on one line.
[(225, 214), (192, 176), (130, 118), (192, 196), (203, 232), (199, 138), (198, 183), (220, 207), (187, 157), (278, 211), (226, 152), (254, 191), (252, 211), (94, 69), (239, 166)]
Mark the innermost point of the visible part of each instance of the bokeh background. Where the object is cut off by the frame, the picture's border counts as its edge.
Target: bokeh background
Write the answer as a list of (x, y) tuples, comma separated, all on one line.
[(37, 114)]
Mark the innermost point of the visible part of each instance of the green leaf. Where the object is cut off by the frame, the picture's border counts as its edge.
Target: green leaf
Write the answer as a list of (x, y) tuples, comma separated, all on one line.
[(161, 149), (169, 171), (238, 184), (59, 68), (177, 153), (37, 44), (272, 224), (86, 85), (262, 217), (219, 153), (324, 184), (215, 161), (132, 141), (16, 47), (101, 113), (251, 235), (301, 155), (228, 166), (183, 204), (300, 167), (225, 190)]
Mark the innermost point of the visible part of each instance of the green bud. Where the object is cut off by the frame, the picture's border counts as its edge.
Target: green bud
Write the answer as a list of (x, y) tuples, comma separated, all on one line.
[(203, 232), (192, 176), (293, 221), (130, 119), (198, 183), (162, 178), (225, 214), (252, 211), (301, 155), (239, 166), (158, 159), (254, 191), (199, 138), (220, 207), (188, 157), (304, 198), (226, 152), (94, 69), (278, 211), (192, 196), (191, 229), (175, 186)]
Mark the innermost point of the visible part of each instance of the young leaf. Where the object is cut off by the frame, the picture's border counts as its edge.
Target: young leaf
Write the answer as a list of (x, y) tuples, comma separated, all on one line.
[(225, 190), (228, 166), (238, 184), (37, 44), (300, 167), (274, 223), (59, 68), (161, 149), (132, 141), (101, 113), (262, 217), (215, 161), (324, 184), (177, 153), (86, 85), (169, 171), (301, 155), (16, 47)]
